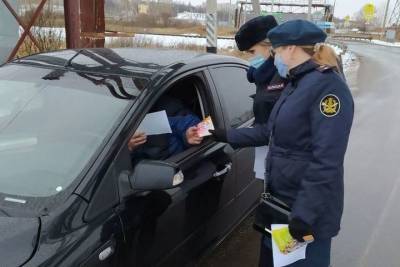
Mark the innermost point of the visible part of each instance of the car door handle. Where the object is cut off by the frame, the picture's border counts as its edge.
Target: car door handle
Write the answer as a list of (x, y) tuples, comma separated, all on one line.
[(224, 171)]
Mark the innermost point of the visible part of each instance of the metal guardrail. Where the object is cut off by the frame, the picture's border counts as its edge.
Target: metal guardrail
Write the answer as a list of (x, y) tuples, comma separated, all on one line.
[(186, 35), (362, 37)]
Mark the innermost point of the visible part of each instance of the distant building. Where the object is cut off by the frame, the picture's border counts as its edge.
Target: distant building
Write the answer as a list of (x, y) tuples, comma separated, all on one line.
[(143, 8), (192, 17), (56, 6)]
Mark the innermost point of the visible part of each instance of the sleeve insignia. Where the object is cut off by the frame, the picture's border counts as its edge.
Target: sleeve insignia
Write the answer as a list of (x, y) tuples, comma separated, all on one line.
[(330, 105)]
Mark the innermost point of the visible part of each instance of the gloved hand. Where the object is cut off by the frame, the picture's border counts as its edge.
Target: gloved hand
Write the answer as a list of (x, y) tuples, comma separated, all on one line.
[(219, 135), (298, 229)]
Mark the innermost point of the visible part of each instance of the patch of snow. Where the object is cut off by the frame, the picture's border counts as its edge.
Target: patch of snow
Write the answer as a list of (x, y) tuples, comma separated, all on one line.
[(379, 42), (171, 41), (163, 40), (348, 59), (351, 65)]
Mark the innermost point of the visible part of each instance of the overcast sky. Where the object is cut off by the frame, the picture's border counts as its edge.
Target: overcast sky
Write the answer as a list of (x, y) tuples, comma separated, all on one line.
[(349, 7), (343, 7)]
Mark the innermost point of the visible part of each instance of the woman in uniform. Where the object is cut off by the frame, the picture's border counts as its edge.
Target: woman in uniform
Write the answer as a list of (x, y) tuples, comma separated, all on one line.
[(252, 38), (307, 134)]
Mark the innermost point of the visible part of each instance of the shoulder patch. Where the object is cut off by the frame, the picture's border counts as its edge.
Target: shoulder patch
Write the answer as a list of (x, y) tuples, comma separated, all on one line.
[(330, 105)]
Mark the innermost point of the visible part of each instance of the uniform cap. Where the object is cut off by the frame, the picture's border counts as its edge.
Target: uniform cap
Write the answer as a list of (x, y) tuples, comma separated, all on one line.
[(296, 32), (254, 31)]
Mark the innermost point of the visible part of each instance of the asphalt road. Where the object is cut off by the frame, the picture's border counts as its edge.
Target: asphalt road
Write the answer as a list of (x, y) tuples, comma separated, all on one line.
[(370, 235)]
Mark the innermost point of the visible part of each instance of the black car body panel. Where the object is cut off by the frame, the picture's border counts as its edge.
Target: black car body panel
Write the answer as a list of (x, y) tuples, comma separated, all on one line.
[(99, 219), (18, 239)]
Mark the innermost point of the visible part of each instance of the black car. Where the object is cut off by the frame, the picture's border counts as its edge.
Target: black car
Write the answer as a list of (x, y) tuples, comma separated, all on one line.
[(69, 192)]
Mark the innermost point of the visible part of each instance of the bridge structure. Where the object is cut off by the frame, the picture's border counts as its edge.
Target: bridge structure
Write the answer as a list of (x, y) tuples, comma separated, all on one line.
[(394, 19), (84, 23), (284, 10)]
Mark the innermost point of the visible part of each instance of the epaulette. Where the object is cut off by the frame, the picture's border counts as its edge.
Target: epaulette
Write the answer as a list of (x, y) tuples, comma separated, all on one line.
[(324, 68)]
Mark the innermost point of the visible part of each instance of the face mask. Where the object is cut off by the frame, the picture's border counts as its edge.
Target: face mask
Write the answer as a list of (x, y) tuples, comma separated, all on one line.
[(282, 68), (257, 61)]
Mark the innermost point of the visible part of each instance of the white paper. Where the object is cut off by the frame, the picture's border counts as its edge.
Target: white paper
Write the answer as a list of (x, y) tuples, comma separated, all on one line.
[(259, 161), (281, 259), (155, 123)]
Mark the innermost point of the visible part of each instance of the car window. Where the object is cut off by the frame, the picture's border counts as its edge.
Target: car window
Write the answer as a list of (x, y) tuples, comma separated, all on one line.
[(182, 110), (234, 91), (51, 125)]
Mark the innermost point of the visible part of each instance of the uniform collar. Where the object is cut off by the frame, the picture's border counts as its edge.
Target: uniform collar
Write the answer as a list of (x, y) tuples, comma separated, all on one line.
[(264, 73), (299, 71)]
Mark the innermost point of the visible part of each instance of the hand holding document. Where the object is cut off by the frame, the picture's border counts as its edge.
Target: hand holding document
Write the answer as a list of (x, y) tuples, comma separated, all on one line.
[(285, 249), (155, 123), (204, 127)]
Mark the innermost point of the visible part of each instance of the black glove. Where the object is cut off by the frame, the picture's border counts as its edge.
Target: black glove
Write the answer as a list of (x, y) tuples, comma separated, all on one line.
[(219, 135), (298, 229)]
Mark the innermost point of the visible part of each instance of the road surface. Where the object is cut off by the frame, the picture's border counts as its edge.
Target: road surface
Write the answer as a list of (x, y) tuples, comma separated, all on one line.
[(370, 235)]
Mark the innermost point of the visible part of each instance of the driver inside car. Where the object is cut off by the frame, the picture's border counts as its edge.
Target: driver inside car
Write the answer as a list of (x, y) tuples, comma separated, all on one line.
[(160, 147)]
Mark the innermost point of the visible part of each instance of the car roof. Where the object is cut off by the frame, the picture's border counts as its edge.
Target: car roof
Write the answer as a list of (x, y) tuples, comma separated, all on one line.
[(144, 63)]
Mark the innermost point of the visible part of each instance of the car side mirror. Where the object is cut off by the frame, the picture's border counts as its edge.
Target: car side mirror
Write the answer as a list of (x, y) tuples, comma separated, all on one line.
[(155, 175)]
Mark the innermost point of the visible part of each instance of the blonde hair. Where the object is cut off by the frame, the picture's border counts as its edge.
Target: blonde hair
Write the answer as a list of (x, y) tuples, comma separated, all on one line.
[(322, 54), (265, 43)]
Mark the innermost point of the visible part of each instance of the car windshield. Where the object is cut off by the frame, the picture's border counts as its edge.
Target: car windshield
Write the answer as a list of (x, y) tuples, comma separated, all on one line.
[(52, 123)]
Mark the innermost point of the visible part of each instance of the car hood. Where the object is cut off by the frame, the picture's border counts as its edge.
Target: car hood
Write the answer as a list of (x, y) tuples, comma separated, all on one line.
[(18, 237)]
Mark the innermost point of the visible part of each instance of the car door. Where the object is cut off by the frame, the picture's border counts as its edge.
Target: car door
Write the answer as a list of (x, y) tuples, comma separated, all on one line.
[(169, 227), (235, 92)]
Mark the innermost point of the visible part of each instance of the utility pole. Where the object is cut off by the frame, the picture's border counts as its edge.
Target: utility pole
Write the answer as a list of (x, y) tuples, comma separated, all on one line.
[(256, 7), (309, 9), (229, 12), (385, 16), (211, 26)]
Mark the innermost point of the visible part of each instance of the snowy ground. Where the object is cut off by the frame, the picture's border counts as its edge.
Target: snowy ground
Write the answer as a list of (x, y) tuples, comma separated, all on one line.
[(165, 40), (350, 61), (159, 40), (379, 42), (173, 41), (351, 64)]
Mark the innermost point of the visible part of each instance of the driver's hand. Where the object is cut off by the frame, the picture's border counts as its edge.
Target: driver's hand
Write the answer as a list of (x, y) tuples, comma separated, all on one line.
[(192, 136), (136, 140)]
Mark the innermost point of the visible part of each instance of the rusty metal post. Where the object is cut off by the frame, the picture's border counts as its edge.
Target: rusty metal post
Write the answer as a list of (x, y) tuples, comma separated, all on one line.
[(72, 23), (92, 23), (100, 22)]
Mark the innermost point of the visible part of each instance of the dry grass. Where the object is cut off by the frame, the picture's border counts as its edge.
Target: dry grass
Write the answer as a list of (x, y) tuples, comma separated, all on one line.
[(189, 28), (53, 40), (47, 41), (128, 42)]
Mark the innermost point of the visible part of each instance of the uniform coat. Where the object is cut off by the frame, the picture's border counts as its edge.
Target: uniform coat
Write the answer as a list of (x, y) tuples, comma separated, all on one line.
[(307, 133), (269, 87)]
